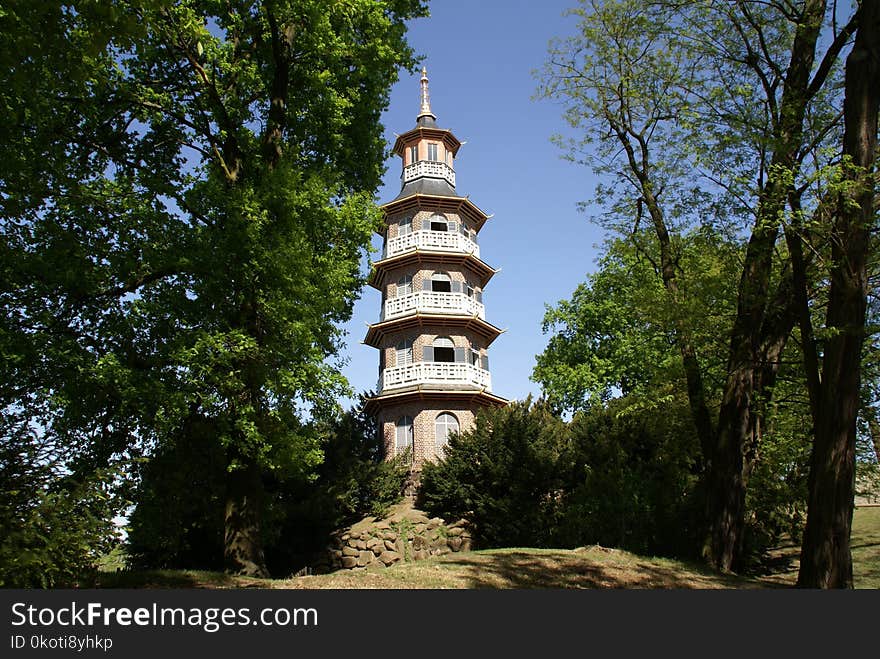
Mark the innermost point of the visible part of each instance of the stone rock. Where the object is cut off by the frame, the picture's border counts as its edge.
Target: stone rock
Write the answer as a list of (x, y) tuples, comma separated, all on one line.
[(455, 530), (360, 544), (349, 561), (466, 543), (390, 544), (419, 542), (454, 543), (373, 542), (365, 558), (349, 551), (419, 555), (434, 522), (389, 557)]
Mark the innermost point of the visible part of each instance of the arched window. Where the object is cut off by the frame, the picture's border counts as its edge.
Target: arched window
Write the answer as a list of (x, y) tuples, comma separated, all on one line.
[(404, 286), (444, 426), (403, 434), (404, 226), (404, 352), (441, 282), (444, 349), (438, 222)]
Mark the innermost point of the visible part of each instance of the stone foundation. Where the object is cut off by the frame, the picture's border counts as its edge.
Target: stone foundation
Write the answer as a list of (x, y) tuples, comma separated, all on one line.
[(406, 534)]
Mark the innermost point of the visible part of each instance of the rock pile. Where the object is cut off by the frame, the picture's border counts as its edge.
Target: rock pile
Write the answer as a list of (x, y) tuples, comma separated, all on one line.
[(406, 534)]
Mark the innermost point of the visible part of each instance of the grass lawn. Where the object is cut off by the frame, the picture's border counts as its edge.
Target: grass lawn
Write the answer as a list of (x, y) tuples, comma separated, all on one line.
[(586, 567)]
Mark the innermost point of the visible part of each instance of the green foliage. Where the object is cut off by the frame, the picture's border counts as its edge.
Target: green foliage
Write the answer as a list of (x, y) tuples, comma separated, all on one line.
[(501, 476), (633, 479), (54, 525), (178, 521), (184, 208), (616, 335), (612, 476)]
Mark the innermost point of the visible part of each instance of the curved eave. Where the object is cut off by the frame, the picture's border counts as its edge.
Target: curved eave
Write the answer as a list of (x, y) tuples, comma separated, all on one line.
[(423, 132), (461, 205), (416, 256), (422, 393), (377, 332)]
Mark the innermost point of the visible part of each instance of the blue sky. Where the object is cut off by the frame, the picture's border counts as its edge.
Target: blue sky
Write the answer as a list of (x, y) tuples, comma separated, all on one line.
[(480, 58)]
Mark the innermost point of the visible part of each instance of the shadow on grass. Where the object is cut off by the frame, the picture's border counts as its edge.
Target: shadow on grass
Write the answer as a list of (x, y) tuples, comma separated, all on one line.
[(173, 579), (551, 571)]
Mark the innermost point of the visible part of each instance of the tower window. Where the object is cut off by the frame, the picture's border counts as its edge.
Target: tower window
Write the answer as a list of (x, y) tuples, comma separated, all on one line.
[(432, 152), (444, 349), (445, 425), (441, 282), (413, 154), (404, 352), (404, 286), (439, 223), (403, 434), (404, 227)]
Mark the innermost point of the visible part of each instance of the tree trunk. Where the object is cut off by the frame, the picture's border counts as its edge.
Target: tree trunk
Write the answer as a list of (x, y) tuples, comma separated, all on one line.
[(243, 547), (826, 560), (728, 473)]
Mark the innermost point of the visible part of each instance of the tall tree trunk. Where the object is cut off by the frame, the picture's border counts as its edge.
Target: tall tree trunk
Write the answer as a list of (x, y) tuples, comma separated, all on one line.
[(728, 473), (826, 560), (243, 546), (640, 167)]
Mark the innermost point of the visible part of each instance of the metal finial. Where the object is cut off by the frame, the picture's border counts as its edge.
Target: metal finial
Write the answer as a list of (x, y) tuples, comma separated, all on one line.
[(425, 107)]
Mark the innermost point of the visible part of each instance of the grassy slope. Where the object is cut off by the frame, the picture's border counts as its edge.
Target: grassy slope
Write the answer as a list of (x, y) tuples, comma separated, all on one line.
[(588, 567)]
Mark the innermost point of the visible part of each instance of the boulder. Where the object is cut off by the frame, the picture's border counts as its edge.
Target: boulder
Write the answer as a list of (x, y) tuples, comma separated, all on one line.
[(389, 557)]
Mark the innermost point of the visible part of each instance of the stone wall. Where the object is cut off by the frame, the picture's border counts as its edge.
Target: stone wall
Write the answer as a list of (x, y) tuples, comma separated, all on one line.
[(405, 535)]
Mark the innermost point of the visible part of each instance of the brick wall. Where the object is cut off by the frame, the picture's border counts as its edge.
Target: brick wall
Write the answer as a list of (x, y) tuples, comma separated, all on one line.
[(423, 414)]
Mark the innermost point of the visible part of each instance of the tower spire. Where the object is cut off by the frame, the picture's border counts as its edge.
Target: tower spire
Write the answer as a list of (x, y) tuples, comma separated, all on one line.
[(425, 105)]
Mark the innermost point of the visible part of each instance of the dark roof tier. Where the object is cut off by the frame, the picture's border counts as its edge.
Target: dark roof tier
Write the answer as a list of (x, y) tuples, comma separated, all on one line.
[(377, 332), (433, 393), (425, 132), (417, 256), (419, 200)]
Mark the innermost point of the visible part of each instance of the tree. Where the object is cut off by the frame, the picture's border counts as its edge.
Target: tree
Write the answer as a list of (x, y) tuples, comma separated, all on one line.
[(54, 525), (612, 360), (502, 476), (184, 216), (826, 560), (178, 521), (644, 83)]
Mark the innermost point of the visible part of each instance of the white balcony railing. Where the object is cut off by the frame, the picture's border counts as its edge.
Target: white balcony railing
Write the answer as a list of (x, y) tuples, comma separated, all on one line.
[(448, 373), (439, 241), (433, 302), (431, 168)]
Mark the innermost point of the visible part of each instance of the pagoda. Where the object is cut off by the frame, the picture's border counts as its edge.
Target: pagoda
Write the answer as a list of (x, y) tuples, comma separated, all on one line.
[(433, 337)]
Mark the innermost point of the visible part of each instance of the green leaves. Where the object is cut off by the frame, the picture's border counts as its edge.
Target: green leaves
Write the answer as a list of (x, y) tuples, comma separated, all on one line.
[(185, 205), (615, 336)]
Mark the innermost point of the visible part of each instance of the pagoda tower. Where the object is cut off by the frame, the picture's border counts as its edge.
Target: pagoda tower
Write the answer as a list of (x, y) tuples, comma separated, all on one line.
[(432, 335)]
